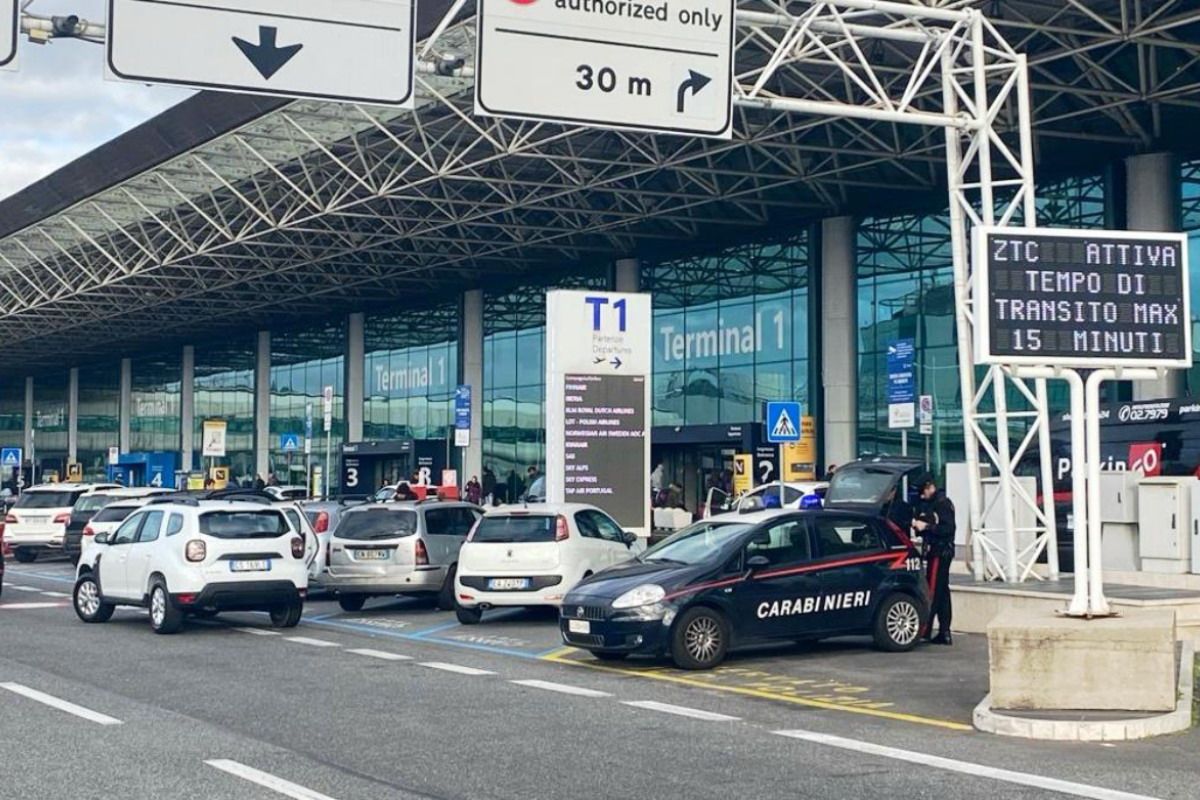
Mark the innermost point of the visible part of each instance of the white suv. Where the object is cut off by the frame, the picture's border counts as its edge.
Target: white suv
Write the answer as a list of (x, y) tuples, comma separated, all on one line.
[(38, 521), (179, 557)]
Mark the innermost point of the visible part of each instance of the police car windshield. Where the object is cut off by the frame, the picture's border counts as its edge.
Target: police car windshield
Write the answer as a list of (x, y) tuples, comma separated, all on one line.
[(859, 486), (693, 545)]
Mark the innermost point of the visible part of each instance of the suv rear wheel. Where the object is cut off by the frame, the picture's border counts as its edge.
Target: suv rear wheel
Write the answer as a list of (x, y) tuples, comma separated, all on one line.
[(468, 616), (25, 555), (165, 616), (897, 624), (352, 602), (287, 616), (445, 597), (88, 605)]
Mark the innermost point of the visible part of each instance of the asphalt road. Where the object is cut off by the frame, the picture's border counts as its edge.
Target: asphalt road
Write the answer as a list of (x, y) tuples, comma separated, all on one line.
[(398, 701)]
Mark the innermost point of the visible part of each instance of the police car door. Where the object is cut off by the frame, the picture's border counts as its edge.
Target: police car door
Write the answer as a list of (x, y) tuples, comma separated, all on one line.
[(777, 597), (847, 575)]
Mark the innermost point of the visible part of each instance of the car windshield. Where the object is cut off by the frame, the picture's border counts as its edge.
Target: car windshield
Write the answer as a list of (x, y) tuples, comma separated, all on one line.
[(47, 499), (264, 524), (377, 523), (113, 513), (860, 485), (515, 529), (693, 545), (90, 503)]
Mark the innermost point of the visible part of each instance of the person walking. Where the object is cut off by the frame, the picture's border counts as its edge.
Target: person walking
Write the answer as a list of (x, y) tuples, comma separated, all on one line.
[(474, 491), (489, 485), (935, 522)]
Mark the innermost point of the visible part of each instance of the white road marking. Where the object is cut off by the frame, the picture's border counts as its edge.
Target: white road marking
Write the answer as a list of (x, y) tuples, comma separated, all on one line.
[(55, 594), (380, 654), (966, 767), (25, 588), (563, 688), (61, 705), (311, 642), (444, 667), (682, 711), (266, 780), (32, 606), (258, 631)]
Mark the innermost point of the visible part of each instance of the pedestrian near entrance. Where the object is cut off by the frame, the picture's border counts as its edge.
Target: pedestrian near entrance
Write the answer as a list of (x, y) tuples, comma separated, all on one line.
[(489, 485), (474, 491), (935, 522)]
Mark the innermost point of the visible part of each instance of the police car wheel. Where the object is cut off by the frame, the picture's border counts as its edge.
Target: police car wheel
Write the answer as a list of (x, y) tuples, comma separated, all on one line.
[(897, 624), (699, 639)]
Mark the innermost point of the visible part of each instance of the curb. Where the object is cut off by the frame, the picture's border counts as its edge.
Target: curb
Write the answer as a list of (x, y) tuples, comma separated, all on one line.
[(989, 721)]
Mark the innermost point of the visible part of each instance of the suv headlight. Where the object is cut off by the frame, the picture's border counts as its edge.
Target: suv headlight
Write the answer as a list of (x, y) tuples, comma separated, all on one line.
[(644, 595)]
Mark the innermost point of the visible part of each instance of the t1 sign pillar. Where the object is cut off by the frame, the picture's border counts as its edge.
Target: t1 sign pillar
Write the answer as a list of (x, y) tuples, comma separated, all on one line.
[(598, 355)]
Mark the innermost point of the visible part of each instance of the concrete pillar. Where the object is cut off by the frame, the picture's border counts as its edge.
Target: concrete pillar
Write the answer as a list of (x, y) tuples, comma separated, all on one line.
[(355, 364), (124, 412), (187, 407), (262, 404), (627, 275), (471, 357), (839, 342), (1152, 204), (29, 418), (72, 414)]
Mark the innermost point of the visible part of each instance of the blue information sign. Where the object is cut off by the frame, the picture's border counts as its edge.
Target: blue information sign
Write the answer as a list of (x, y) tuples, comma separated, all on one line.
[(289, 442), (10, 457), (783, 421), (462, 407), (902, 383)]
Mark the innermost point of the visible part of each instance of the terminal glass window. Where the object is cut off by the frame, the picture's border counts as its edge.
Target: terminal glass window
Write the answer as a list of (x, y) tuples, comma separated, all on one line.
[(99, 417), (50, 424), (906, 291), (303, 363), (1190, 222), (224, 390), (12, 413), (410, 373), (514, 379), (730, 332), (154, 418)]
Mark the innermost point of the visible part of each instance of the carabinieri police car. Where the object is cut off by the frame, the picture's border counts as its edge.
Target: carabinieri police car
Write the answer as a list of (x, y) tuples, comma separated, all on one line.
[(790, 575)]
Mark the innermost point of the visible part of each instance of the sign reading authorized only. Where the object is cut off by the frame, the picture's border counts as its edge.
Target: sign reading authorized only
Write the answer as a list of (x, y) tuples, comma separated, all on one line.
[(357, 51), (663, 65)]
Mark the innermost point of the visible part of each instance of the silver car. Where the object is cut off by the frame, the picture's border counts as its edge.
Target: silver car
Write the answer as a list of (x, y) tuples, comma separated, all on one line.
[(408, 547)]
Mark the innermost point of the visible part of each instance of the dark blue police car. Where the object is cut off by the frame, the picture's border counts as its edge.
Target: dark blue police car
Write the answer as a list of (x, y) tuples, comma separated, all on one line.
[(782, 575)]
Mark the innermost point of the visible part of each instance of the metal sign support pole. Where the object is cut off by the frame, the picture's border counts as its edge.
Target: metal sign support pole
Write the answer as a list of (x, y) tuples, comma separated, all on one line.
[(325, 478)]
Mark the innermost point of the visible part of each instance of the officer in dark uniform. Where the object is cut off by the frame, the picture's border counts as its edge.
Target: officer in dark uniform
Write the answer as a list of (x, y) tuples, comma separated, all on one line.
[(934, 521)]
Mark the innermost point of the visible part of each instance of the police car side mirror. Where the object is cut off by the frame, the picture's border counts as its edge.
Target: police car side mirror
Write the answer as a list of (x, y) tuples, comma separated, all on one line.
[(757, 562)]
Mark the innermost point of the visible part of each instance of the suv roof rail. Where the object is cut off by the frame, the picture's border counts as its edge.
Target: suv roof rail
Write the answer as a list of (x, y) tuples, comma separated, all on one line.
[(241, 494), (170, 499)]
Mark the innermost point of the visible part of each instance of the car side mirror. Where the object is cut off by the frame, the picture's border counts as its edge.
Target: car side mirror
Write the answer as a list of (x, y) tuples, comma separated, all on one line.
[(757, 562), (101, 538), (629, 538)]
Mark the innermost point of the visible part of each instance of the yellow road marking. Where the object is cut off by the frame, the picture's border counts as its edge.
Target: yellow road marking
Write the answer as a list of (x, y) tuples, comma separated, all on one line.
[(558, 657)]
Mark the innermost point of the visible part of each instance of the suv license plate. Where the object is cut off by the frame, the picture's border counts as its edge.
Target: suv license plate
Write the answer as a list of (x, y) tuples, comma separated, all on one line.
[(579, 626), (508, 584), (251, 565), (370, 555)]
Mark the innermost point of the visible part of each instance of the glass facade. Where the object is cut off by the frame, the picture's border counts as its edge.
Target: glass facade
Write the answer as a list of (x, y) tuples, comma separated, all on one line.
[(303, 363), (514, 378), (99, 417), (1189, 185), (50, 423), (410, 373), (12, 412), (224, 389), (906, 291), (731, 331), (155, 397)]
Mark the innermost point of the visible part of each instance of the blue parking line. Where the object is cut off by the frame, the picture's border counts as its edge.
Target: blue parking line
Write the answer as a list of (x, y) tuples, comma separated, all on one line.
[(435, 629), (422, 636), (42, 576)]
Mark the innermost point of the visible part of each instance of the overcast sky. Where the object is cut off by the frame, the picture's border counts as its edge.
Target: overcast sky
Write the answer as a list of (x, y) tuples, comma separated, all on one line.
[(57, 106)]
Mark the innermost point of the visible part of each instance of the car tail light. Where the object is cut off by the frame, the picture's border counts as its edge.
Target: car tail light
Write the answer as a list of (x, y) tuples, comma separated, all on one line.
[(422, 554), (322, 522), (561, 531), (297, 547), (62, 519), (88, 530), (196, 550), (10, 519)]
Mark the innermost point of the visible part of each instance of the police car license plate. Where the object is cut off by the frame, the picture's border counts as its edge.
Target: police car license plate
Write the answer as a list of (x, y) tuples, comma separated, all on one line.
[(579, 626), (370, 555), (250, 565), (508, 584)]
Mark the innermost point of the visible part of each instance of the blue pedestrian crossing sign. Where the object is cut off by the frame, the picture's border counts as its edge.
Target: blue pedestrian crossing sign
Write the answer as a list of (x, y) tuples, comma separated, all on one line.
[(289, 442), (10, 457), (783, 422)]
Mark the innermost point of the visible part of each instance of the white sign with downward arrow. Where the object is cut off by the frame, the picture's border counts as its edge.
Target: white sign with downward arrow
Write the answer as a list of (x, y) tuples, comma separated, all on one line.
[(354, 51)]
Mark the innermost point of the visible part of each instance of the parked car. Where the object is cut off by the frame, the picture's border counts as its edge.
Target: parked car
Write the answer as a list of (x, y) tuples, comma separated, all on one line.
[(180, 557), (37, 522), (323, 516), (287, 492), (409, 548), (765, 496), (531, 556), (92, 501), (107, 520)]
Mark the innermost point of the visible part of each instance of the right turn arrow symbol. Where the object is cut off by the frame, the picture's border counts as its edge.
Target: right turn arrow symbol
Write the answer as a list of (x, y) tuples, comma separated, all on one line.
[(694, 81)]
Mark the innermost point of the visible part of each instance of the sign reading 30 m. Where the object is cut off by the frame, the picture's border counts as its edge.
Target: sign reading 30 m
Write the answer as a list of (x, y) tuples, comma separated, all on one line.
[(1082, 298), (659, 65)]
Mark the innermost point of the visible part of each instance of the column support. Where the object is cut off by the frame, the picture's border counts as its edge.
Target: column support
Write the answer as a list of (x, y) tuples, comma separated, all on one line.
[(355, 364), (839, 341), (627, 275), (471, 369), (29, 443), (72, 415), (262, 405), (187, 407), (124, 405)]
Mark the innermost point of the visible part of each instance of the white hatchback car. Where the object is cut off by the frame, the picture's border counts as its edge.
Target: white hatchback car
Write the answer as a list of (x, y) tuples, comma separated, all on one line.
[(38, 521), (179, 557), (533, 555)]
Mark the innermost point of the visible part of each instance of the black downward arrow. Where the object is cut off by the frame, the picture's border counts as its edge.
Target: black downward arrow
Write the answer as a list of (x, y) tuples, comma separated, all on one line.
[(694, 81), (266, 57)]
